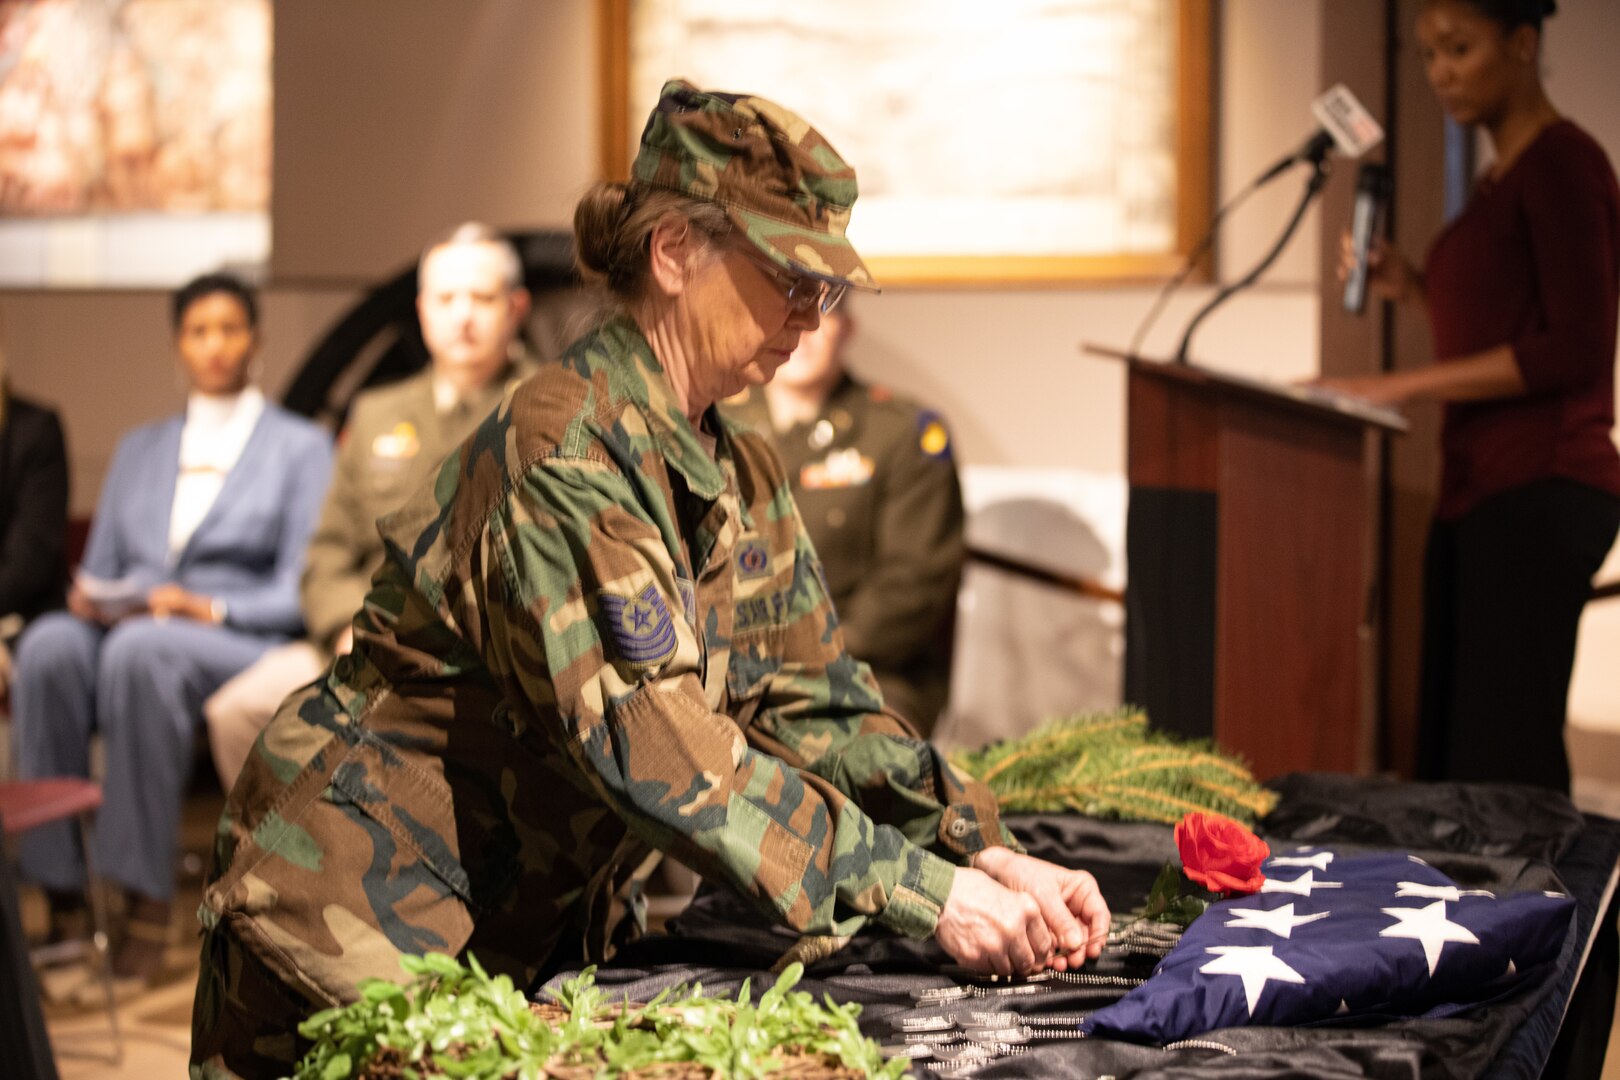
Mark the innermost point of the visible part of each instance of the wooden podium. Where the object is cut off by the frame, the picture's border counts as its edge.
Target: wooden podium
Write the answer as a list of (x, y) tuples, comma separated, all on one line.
[(1249, 548)]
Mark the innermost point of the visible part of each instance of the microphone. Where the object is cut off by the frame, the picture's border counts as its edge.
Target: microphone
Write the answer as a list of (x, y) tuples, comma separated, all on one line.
[(1344, 125), (1372, 196)]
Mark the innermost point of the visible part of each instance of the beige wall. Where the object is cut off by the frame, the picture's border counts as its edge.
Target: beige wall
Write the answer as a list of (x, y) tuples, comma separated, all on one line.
[(397, 117), (105, 361)]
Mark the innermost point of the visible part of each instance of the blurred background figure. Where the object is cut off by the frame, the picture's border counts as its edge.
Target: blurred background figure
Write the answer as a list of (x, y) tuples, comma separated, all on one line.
[(190, 573), (471, 304), (876, 484), (33, 515)]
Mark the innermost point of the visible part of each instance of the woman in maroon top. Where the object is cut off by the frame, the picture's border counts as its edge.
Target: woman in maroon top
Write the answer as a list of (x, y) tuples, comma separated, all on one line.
[(1521, 291)]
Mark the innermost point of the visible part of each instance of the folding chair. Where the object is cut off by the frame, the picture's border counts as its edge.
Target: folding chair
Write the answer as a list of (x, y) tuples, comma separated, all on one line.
[(28, 804)]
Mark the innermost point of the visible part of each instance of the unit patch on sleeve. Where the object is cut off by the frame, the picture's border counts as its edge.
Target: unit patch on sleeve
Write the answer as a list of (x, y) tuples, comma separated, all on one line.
[(932, 436), (642, 627)]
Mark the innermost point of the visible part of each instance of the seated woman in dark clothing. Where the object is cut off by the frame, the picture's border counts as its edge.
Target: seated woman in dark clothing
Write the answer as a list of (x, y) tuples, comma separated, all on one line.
[(33, 515)]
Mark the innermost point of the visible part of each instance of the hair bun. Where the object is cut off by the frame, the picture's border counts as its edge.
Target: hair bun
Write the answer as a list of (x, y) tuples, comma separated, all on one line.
[(1549, 7)]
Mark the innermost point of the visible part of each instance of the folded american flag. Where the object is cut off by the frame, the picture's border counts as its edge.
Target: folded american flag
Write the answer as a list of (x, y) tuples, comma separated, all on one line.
[(1332, 937)]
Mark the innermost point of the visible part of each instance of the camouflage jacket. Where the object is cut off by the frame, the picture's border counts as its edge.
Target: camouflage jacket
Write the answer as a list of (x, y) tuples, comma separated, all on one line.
[(589, 639), (874, 480), (393, 440)]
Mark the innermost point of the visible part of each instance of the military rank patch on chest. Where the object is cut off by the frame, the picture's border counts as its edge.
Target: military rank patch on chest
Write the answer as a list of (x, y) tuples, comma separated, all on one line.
[(398, 444), (641, 625), (753, 560), (840, 469)]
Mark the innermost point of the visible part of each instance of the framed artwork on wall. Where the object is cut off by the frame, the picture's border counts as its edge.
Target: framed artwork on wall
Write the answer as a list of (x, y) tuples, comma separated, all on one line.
[(1030, 141), (135, 140)]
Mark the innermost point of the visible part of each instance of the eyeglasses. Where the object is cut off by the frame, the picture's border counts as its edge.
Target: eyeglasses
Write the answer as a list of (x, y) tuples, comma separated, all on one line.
[(802, 292)]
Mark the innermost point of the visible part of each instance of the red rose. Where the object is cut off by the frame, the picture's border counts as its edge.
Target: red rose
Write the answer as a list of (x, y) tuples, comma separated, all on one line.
[(1220, 854)]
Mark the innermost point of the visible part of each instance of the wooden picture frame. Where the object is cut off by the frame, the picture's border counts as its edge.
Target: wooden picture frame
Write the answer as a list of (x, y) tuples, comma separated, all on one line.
[(1190, 145)]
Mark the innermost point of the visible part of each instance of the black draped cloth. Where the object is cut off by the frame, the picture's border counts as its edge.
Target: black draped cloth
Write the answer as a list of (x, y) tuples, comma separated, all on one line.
[(1500, 837)]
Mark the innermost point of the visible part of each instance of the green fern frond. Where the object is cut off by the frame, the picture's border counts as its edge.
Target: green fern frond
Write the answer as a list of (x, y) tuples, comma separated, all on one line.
[(1111, 765)]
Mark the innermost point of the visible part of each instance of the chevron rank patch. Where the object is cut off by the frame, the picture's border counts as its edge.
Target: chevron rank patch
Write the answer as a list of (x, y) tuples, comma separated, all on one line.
[(642, 627)]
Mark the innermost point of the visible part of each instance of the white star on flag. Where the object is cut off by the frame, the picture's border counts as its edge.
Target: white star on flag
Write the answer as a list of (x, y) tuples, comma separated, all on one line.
[(1428, 925), (1280, 921), (1254, 964), (1300, 886), (1320, 860), (1436, 892)]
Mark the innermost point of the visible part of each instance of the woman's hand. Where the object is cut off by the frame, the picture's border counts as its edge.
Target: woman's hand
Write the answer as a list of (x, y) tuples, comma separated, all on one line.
[(1388, 389), (1390, 275), (167, 601), (1069, 901), (988, 927), (79, 603)]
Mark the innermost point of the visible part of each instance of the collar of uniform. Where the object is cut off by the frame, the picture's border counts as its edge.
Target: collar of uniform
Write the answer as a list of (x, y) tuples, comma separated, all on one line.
[(847, 391), (522, 366), (483, 399), (845, 397), (644, 382)]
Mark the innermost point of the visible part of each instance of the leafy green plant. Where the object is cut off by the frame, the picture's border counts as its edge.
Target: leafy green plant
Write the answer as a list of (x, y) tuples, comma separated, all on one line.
[(1111, 765), (459, 1021)]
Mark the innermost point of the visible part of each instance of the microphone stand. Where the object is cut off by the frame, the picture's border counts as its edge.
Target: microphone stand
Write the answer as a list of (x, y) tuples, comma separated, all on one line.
[(1313, 187)]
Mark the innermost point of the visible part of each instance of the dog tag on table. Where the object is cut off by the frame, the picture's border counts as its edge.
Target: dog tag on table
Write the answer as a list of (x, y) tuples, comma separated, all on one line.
[(914, 1051), (988, 1036), (930, 1037), (1016, 990), (936, 1022)]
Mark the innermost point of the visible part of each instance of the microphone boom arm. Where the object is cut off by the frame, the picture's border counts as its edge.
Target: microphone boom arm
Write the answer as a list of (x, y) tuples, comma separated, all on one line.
[(1313, 187)]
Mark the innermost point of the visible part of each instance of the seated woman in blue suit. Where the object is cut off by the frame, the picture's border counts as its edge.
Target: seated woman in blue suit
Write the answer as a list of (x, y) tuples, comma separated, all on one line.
[(191, 572)]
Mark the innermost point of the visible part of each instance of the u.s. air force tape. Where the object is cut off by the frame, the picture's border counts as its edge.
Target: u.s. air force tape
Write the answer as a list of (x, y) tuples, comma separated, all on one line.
[(642, 627)]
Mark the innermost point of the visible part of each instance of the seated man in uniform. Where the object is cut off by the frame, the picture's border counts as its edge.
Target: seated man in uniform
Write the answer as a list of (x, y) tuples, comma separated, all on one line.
[(471, 303), (873, 476)]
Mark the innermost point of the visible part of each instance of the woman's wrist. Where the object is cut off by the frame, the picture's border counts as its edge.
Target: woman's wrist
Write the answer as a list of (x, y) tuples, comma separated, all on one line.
[(990, 859)]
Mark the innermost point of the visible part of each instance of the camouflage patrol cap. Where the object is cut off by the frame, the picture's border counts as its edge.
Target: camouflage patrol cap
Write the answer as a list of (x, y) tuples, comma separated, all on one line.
[(781, 183)]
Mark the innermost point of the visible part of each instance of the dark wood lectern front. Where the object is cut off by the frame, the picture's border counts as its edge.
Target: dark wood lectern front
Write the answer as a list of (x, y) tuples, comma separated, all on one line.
[(1249, 552)]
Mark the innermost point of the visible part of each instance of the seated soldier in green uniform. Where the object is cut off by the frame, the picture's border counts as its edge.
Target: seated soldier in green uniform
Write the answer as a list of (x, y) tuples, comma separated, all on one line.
[(876, 486), (603, 631)]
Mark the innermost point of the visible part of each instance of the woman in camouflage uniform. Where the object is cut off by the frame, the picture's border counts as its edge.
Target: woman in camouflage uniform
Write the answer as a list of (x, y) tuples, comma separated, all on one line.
[(603, 633)]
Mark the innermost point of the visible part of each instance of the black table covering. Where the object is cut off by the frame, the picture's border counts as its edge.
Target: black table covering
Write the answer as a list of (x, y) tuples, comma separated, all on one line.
[(1501, 837)]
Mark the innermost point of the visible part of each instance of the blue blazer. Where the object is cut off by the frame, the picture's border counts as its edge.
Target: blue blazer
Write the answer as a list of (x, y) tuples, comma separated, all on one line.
[(248, 551)]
